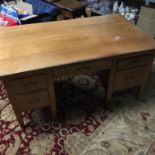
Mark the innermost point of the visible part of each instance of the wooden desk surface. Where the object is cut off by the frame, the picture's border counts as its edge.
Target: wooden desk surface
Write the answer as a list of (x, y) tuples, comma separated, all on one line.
[(37, 46)]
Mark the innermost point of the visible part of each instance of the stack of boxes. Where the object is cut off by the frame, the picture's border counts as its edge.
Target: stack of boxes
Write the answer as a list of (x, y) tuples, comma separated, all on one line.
[(14, 13)]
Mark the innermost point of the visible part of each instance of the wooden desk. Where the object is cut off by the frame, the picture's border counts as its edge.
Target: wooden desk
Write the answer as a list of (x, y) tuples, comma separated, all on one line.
[(31, 56)]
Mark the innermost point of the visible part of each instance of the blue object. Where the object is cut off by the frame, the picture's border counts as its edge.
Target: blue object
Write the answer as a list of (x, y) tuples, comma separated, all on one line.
[(22, 15), (10, 12), (40, 8)]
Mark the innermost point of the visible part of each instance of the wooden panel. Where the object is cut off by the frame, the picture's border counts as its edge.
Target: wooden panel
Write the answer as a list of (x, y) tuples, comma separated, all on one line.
[(12, 100), (82, 68), (52, 97), (53, 44), (107, 79), (29, 84), (129, 78), (32, 100), (67, 14), (134, 62)]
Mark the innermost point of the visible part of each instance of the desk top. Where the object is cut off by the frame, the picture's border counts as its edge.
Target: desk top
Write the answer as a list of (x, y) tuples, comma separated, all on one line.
[(37, 46)]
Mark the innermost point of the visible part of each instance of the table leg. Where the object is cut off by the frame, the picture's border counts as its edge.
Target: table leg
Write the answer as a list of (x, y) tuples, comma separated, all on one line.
[(51, 91), (12, 100), (110, 86), (19, 118), (145, 77), (107, 79)]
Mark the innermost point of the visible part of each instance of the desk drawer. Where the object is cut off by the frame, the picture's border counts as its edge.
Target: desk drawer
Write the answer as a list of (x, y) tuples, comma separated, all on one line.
[(32, 100), (29, 84), (82, 68), (129, 78), (134, 62)]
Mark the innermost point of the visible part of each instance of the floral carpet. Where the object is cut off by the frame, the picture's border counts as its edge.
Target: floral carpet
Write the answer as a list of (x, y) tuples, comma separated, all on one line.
[(83, 127)]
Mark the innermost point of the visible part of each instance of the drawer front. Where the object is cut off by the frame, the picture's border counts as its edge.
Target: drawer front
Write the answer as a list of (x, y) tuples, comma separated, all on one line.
[(32, 100), (81, 68), (134, 62), (29, 84), (129, 78)]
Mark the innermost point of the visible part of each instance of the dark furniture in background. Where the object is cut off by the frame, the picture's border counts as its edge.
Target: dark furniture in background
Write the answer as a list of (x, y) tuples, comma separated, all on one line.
[(69, 9), (134, 3)]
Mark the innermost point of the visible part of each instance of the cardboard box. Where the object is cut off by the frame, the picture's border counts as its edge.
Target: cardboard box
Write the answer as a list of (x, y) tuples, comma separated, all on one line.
[(19, 11), (6, 21)]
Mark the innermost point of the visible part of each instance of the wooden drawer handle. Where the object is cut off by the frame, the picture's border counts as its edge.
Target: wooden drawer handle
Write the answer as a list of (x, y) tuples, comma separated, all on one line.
[(30, 84), (33, 99)]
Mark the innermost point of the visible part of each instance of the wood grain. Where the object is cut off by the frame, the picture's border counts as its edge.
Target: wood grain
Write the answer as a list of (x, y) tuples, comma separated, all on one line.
[(81, 68), (28, 84), (47, 45), (129, 78), (32, 100), (134, 62)]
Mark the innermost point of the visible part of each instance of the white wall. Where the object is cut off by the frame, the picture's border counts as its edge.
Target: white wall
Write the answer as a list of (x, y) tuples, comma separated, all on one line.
[(147, 1)]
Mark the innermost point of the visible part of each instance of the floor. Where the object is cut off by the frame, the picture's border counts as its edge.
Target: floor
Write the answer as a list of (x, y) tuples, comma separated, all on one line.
[(83, 126)]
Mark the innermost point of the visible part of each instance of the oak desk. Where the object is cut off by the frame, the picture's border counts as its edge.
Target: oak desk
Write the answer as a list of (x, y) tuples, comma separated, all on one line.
[(31, 56)]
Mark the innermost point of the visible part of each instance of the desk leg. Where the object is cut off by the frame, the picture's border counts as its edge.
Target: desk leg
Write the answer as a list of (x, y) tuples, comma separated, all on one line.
[(19, 117), (12, 100), (110, 85), (145, 77), (107, 79), (51, 91)]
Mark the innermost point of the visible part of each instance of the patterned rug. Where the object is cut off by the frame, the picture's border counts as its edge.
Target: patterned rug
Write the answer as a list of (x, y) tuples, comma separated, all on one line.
[(83, 127)]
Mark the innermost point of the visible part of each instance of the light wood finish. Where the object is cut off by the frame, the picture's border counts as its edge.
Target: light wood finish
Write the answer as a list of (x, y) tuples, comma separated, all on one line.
[(37, 46), (31, 56)]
